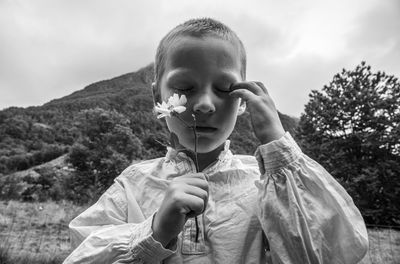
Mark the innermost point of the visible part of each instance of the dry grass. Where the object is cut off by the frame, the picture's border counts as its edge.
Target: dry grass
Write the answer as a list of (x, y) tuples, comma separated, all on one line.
[(384, 246), (38, 233), (36, 230)]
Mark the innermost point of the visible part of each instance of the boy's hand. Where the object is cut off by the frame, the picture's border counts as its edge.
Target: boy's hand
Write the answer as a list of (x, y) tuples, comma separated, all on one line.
[(264, 117), (185, 197)]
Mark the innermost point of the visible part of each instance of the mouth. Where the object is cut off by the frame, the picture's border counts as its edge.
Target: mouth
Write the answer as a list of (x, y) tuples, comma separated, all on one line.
[(205, 129)]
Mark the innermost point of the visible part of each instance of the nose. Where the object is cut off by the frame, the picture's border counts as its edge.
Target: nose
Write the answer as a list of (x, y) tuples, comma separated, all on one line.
[(204, 103)]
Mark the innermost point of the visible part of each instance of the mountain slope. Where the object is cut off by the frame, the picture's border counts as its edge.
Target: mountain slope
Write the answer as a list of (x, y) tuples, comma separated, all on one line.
[(136, 81), (34, 135)]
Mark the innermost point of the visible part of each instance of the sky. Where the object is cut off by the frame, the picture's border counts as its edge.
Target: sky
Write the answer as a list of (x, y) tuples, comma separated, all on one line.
[(51, 48)]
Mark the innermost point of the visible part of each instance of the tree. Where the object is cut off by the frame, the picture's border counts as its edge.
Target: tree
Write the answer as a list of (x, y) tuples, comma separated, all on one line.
[(352, 127), (106, 147)]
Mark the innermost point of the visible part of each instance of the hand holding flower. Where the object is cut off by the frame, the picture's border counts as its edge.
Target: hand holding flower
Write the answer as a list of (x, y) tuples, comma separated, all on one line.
[(187, 195)]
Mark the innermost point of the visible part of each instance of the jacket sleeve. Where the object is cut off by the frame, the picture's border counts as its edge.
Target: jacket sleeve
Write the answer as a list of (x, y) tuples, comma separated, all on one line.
[(101, 234), (305, 213)]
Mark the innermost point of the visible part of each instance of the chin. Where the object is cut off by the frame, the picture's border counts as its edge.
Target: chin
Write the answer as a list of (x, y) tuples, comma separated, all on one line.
[(204, 147)]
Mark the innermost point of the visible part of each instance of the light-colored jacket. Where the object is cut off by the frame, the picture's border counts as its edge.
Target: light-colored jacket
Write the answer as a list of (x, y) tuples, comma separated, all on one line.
[(279, 207)]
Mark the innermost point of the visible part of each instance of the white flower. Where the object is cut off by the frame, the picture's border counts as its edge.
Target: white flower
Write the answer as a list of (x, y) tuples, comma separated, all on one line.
[(175, 104), (175, 100)]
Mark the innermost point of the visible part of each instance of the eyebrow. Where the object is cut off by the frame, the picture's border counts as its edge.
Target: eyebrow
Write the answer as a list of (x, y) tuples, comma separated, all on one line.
[(227, 76), (177, 73)]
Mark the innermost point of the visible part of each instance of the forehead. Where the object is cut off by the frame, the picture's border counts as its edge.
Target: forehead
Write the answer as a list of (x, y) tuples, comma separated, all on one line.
[(203, 55)]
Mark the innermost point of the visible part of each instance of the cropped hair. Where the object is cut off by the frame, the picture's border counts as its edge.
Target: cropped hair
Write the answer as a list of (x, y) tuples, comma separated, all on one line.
[(200, 27)]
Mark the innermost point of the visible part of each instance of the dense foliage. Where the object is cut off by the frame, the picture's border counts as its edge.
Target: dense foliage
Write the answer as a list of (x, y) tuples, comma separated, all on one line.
[(106, 147), (352, 128)]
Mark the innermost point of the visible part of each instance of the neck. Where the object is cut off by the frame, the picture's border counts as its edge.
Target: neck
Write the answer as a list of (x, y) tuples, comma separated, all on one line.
[(205, 159)]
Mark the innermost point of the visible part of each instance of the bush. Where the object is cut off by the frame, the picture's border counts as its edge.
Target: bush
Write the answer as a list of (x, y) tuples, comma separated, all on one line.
[(20, 162), (10, 188), (105, 148)]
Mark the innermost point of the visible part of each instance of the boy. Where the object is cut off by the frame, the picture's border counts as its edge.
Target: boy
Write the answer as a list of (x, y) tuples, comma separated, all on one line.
[(280, 207)]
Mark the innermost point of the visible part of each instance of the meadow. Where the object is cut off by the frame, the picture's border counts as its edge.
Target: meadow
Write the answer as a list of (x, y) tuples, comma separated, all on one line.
[(35, 232), (38, 233)]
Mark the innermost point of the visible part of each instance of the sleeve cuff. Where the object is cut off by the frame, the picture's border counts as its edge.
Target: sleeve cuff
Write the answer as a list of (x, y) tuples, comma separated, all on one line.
[(149, 250), (277, 154)]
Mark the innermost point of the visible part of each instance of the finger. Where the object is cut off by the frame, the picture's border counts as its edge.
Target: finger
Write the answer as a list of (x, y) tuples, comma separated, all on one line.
[(251, 86), (196, 191), (193, 205), (246, 95), (200, 183), (262, 86)]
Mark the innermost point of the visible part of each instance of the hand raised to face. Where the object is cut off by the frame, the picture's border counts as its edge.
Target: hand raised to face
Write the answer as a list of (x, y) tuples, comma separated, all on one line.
[(264, 116)]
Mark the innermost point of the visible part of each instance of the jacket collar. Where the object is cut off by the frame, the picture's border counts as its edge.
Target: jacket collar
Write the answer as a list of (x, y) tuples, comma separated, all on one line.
[(179, 157)]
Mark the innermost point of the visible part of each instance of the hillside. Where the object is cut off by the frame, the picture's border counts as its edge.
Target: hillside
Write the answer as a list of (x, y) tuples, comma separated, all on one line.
[(139, 82), (34, 135)]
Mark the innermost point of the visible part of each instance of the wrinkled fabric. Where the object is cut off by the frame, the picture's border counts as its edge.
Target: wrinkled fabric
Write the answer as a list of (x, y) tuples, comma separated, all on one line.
[(277, 207)]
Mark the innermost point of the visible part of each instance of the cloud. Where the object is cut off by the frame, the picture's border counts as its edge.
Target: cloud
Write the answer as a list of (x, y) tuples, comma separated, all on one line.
[(376, 37), (52, 48)]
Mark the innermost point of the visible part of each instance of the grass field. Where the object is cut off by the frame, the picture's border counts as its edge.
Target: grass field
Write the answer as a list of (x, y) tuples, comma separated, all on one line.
[(35, 231), (384, 246), (38, 233)]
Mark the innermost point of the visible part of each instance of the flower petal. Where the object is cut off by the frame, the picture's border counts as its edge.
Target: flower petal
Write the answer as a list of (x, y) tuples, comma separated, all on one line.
[(173, 100), (163, 105), (182, 100), (179, 109), (173, 105), (176, 100), (158, 109)]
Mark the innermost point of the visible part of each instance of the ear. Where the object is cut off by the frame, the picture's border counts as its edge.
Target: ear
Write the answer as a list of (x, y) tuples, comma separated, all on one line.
[(242, 107), (156, 93)]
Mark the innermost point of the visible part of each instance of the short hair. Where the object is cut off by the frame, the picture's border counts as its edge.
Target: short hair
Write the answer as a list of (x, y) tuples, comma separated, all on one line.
[(199, 27)]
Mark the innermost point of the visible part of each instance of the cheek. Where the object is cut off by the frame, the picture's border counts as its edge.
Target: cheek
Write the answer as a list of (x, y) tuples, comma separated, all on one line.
[(165, 94), (231, 106), (174, 125)]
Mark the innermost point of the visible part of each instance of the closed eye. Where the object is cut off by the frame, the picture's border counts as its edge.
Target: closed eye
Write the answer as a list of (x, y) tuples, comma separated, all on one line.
[(223, 89), (183, 88)]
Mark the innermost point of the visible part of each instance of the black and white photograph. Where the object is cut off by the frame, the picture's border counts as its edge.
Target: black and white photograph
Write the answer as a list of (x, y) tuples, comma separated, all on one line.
[(200, 132)]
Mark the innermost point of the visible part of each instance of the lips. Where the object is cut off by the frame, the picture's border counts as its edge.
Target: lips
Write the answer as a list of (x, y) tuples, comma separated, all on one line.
[(205, 129)]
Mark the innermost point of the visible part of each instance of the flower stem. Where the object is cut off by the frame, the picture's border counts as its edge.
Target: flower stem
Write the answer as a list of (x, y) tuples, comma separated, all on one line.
[(196, 162), (195, 145), (197, 170), (183, 121)]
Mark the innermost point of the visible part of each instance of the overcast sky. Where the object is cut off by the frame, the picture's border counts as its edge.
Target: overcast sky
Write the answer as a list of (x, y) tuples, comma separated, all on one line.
[(50, 48)]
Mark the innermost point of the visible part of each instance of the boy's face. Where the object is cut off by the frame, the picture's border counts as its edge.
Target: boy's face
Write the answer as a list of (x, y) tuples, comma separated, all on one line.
[(203, 70)]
